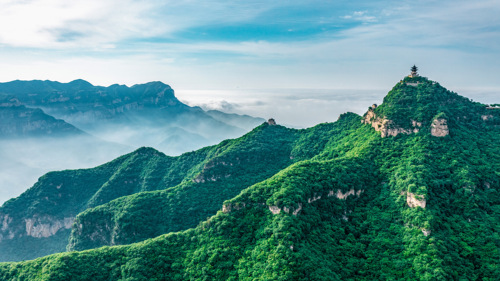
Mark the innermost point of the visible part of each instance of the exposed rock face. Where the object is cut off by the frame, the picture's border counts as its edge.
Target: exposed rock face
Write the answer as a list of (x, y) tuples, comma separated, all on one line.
[(413, 84), (274, 209), (271, 122), (414, 201), (343, 196), (22, 121), (227, 208), (439, 127), (5, 232), (296, 212), (37, 227), (230, 207), (314, 198), (5, 222), (46, 226), (385, 126), (486, 117)]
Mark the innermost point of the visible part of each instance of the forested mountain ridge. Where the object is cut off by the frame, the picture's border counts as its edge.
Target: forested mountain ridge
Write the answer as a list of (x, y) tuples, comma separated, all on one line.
[(409, 191), (238, 164), (45, 212)]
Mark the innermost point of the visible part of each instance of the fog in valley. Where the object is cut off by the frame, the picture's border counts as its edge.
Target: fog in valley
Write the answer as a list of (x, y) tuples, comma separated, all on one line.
[(23, 161)]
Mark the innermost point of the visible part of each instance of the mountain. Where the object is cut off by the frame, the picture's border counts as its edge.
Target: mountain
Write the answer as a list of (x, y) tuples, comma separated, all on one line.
[(409, 191), (241, 121), (16, 120), (53, 202), (141, 115), (89, 125), (83, 104)]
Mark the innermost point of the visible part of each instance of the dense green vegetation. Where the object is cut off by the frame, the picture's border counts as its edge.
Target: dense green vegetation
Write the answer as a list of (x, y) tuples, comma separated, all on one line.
[(422, 100), (341, 204), (232, 166), (237, 165), (219, 172)]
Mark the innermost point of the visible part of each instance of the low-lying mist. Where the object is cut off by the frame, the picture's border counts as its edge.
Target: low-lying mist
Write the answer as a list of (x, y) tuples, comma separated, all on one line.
[(23, 161)]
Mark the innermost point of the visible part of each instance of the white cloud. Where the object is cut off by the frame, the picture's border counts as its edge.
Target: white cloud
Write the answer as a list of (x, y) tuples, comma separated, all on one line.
[(62, 24), (446, 39), (100, 24), (292, 107), (360, 16)]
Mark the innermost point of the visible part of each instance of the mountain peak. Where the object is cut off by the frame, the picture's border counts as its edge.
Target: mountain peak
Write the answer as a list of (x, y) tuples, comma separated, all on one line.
[(80, 83), (415, 103), (152, 84)]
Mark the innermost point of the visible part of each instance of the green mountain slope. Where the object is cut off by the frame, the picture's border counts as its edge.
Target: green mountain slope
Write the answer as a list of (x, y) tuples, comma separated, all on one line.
[(411, 196), (237, 165), (221, 171), (50, 206)]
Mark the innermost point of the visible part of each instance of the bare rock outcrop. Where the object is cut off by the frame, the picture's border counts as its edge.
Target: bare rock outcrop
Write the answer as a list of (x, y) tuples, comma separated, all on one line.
[(340, 195), (315, 197), (274, 209), (426, 232), (296, 212), (486, 117), (439, 127), (206, 176), (5, 222), (230, 207), (227, 208), (37, 226), (414, 201), (385, 126), (46, 226), (6, 231)]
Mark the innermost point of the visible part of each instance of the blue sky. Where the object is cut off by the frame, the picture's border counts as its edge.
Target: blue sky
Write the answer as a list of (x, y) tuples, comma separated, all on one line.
[(245, 55)]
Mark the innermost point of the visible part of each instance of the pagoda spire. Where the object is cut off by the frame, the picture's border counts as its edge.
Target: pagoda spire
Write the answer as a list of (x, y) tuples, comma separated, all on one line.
[(414, 70)]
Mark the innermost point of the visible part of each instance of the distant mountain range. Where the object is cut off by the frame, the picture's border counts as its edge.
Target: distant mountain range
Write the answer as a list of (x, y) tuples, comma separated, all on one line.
[(17, 120), (408, 191), (146, 114)]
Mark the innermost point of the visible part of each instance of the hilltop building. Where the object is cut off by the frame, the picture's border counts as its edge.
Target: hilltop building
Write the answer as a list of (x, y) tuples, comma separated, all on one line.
[(414, 70)]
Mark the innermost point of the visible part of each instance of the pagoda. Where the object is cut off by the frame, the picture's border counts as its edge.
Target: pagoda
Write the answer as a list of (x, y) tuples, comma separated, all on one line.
[(414, 70)]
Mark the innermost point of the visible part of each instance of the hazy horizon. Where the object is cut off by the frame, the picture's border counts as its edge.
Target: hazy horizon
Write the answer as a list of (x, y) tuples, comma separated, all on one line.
[(225, 45)]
